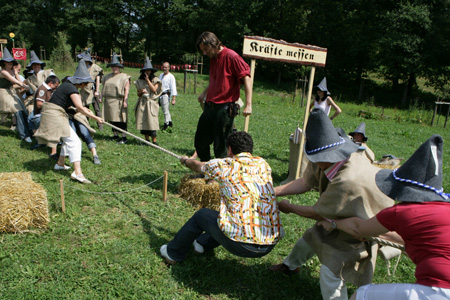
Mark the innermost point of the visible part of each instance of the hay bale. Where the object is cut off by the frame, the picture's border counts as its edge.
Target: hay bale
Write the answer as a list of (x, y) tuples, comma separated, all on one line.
[(200, 192), (23, 203), (384, 166)]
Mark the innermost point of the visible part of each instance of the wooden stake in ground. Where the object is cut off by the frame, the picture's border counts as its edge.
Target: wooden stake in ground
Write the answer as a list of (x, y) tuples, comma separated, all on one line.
[(166, 175), (61, 188), (252, 75)]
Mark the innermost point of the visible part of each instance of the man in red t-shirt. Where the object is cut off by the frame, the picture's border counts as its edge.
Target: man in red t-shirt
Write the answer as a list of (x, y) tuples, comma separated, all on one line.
[(227, 71)]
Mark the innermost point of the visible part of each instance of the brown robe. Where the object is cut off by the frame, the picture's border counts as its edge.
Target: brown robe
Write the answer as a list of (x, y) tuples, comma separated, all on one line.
[(87, 93), (9, 100), (147, 107), (113, 94), (351, 193), (54, 125)]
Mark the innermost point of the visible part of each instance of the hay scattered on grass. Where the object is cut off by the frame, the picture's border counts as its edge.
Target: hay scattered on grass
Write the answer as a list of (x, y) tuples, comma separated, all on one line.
[(200, 192), (383, 166), (23, 203)]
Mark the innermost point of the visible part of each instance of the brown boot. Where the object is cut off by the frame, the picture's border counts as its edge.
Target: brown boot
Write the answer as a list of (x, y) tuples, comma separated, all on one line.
[(282, 268)]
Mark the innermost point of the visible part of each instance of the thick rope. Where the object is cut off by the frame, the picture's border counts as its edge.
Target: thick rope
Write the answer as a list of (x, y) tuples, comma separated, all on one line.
[(387, 243), (143, 140)]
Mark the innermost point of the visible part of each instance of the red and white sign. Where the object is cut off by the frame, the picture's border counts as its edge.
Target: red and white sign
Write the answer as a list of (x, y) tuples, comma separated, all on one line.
[(20, 53)]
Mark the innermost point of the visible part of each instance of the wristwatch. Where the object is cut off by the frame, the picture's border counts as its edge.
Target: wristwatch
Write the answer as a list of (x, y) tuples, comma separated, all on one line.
[(333, 223)]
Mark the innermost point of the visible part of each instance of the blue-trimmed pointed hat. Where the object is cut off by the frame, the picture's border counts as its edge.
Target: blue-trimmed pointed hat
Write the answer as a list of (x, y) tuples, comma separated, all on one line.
[(86, 55), (324, 143), (148, 66), (7, 57), (419, 179), (34, 59), (81, 74), (323, 86), (360, 129), (114, 62)]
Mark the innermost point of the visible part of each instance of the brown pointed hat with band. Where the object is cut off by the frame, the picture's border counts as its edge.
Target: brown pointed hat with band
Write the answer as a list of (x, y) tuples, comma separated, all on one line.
[(419, 179), (114, 62), (81, 74), (7, 57), (360, 129), (34, 59), (148, 66), (323, 142)]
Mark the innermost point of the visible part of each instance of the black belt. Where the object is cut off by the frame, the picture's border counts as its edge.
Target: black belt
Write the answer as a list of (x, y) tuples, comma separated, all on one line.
[(218, 106), (166, 93)]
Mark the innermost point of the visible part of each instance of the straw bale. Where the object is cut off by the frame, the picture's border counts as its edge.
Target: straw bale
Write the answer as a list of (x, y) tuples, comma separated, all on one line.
[(200, 192), (384, 166), (23, 203)]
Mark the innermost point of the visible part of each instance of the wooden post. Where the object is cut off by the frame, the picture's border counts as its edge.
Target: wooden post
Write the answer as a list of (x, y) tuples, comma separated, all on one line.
[(446, 117), (61, 188), (308, 102), (185, 75), (434, 112), (166, 175), (252, 75), (295, 90), (195, 82)]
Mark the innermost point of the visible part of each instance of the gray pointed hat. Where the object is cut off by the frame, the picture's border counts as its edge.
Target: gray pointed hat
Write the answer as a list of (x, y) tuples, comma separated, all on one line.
[(419, 179), (148, 66), (34, 59), (360, 129), (323, 86), (86, 55), (114, 62), (7, 57), (323, 142), (81, 74)]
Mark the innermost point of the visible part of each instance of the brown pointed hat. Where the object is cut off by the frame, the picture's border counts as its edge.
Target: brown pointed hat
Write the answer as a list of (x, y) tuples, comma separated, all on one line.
[(419, 179), (323, 142), (148, 66), (114, 62), (81, 74), (7, 57)]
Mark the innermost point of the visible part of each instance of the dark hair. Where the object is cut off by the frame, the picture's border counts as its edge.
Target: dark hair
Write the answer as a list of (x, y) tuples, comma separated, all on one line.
[(152, 75), (325, 96), (53, 79), (65, 79), (240, 142), (208, 39)]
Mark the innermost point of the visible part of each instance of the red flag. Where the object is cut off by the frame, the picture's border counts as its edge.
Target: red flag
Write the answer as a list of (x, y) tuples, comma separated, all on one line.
[(19, 53)]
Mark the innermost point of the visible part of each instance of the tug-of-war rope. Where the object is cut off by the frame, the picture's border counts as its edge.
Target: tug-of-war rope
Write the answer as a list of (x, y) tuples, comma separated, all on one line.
[(375, 239)]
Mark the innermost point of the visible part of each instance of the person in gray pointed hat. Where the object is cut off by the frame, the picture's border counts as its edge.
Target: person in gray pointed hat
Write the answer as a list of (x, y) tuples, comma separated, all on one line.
[(149, 89), (114, 96), (324, 101), (38, 77), (55, 125), (10, 103), (91, 93), (359, 137), (420, 221), (346, 184)]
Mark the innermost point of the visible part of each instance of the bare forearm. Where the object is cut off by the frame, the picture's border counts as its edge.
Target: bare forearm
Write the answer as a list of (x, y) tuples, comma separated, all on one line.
[(294, 187)]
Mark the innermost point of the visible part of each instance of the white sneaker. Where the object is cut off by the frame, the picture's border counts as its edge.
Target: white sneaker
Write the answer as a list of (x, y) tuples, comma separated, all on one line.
[(61, 168), (198, 248), (28, 139), (166, 256), (80, 178)]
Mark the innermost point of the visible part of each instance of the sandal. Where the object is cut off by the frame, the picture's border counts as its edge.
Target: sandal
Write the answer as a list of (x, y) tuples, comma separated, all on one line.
[(79, 178)]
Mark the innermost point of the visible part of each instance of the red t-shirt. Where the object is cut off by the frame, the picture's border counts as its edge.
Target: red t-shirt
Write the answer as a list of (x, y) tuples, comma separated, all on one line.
[(425, 228), (225, 73)]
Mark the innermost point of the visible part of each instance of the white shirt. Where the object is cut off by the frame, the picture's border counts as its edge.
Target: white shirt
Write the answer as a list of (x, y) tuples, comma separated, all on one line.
[(168, 84), (323, 106)]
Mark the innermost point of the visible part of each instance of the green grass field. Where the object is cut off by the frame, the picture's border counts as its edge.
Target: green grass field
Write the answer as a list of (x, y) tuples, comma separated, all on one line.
[(106, 245)]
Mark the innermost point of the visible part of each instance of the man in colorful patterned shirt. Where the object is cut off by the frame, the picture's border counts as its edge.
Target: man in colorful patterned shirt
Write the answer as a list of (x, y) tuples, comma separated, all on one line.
[(248, 223)]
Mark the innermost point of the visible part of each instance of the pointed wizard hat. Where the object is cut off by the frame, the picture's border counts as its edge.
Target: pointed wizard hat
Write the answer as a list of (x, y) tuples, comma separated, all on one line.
[(86, 55), (419, 179), (360, 129), (148, 66), (114, 62), (81, 74), (7, 57), (34, 59), (324, 143), (323, 86)]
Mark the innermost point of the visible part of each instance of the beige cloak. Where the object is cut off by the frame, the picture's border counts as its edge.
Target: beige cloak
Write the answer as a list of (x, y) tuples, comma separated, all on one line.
[(351, 193), (9, 101), (87, 93), (113, 94), (147, 107), (54, 125)]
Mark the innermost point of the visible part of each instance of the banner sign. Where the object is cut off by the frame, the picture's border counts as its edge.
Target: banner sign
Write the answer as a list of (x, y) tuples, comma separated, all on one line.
[(256, 47), (19, 53), (3, 41)]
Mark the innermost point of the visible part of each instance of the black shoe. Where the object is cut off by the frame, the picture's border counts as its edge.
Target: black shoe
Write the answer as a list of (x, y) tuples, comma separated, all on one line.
[(170, 124), (122, 141), (155, 143), (37, 146), (54, 156), (114, 138), (165, 126)]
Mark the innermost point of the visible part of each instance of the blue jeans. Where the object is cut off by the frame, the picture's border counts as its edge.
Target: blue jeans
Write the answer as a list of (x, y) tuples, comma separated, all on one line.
[(85, 134), (202, 226), (22, 124), (34, 121)]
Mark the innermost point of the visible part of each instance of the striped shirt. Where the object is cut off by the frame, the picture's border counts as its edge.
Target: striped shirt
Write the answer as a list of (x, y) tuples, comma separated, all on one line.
[(248, 207)]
